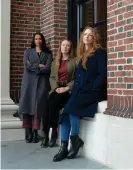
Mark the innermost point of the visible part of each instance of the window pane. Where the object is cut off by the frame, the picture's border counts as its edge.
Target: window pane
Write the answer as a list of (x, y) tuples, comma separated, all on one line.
[(87, 14), (100, 10)]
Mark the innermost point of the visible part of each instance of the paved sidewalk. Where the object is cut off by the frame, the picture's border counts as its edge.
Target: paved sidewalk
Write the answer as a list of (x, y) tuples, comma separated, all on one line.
[(20, 155)]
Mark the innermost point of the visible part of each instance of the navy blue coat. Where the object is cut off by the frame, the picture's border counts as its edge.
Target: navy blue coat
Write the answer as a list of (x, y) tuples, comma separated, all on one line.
[(90, 86)]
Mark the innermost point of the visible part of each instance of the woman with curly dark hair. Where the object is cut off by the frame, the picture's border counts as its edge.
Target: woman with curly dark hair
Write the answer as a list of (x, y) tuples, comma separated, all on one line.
[(35, 86)]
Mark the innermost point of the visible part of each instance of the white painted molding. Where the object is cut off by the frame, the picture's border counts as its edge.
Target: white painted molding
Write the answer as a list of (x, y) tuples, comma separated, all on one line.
[(6, 102)]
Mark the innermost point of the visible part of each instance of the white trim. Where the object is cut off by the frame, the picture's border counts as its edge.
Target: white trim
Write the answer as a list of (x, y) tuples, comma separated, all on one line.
[(6, 102)]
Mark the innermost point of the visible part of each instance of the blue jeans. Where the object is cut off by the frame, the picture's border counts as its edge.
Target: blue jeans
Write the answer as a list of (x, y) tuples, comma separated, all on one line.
[(70, 123)]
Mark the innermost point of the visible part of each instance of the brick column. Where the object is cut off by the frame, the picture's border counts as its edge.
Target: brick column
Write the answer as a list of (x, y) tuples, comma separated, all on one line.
[(120, 58), (54, 22)]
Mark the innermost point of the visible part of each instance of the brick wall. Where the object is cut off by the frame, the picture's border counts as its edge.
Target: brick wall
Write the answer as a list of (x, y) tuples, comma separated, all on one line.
[(120, 58), (25, 20), (27, 17), (54, 22)]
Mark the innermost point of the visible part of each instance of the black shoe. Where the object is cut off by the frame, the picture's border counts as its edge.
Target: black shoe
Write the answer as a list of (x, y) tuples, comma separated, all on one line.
[(44, 143), (26, 133), (54, 135), (29, 135), (16, 114), (63, 151), (35, 137), (76, 143), (52, 142)]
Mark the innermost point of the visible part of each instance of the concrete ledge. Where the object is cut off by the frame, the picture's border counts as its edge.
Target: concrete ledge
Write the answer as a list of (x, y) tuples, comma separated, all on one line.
[(108, 140), (102, 106)]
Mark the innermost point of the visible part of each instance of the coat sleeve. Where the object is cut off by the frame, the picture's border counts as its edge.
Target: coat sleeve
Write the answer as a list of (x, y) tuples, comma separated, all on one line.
[(53, 81), (47, 67), (101, 79), (34, 67)]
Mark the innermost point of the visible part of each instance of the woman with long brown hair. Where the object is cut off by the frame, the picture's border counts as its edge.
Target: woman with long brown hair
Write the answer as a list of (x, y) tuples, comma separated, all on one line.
[(89, 89), (61, 81)]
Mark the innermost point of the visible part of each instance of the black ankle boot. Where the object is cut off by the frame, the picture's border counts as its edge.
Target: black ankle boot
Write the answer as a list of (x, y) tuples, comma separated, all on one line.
[(35, 136), (26, 133), (76, 143), (29, 136), (52, 142), (63, 151), (44, 143)]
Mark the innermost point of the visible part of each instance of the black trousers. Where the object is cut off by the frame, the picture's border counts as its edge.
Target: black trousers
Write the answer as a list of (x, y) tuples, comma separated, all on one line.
[(56, 102)]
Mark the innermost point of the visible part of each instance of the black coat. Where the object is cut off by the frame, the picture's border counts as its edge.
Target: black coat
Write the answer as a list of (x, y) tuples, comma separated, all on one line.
[(35, 83), (90, 86)]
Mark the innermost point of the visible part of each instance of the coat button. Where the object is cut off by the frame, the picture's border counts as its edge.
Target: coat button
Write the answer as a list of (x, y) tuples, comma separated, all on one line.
[(79, 75)]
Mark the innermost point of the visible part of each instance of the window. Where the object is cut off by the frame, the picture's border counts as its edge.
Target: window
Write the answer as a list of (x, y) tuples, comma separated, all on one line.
[(82, 13), (92, 13)]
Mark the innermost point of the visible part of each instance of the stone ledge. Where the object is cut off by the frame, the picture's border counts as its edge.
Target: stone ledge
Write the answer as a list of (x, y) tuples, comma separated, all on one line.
[(101, 109)]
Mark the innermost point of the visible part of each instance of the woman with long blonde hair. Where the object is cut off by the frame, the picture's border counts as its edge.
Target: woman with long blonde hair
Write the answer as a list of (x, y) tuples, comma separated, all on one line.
[(61, 81), (89, 89)]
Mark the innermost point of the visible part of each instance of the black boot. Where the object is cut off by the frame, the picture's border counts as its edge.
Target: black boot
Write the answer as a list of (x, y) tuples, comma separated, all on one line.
[(63, 151), (26, 133), (45, 140), (35, 136), (44, 143), (52, 142), (29, 136), (76, 143)]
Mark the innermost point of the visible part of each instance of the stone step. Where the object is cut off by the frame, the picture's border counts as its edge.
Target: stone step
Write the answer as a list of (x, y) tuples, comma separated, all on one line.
[(12, 134)]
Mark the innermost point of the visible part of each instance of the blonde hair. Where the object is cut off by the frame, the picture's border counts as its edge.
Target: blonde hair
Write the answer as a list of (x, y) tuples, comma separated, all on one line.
[(59, 54), (82, 54)]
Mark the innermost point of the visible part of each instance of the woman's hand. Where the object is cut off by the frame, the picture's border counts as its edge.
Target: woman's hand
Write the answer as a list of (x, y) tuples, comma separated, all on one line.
[(62, 89), (41, 65)]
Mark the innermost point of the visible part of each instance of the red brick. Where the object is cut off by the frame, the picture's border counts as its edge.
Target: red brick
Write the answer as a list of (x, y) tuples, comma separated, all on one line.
[(111, 80), (120, 23), (120, 86), (112, 7), (110, 32), (120, 48), (128, 79), (128, 67), (127, 92), (112, 44), (128, 27), (128, 14), (128, 40), (112, 20), (120, 36), (128, 54), (112, 68), (113, 55), (112, 91)]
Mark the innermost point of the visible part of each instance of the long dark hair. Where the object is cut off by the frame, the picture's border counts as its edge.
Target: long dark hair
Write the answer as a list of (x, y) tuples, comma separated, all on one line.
[(44, 47)]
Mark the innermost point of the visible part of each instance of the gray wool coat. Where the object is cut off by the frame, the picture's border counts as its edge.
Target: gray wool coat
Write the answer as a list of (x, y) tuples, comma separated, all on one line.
[(35, 83)]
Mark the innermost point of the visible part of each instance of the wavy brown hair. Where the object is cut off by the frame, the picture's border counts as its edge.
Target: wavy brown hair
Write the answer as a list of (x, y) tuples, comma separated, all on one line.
[(82, 53), (59, 54)]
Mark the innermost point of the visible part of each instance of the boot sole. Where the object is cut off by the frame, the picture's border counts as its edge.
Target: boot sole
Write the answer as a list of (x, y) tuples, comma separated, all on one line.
[(58, 160)]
